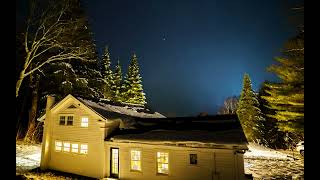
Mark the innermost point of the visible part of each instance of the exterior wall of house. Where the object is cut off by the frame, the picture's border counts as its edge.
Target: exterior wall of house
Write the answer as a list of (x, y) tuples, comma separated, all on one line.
[(91, 164), (211, 163)]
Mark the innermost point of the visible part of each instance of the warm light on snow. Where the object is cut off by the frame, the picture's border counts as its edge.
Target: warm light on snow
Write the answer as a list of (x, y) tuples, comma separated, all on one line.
[(27, 157)]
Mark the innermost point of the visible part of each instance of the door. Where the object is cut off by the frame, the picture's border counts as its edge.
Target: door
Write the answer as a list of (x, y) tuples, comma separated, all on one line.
[(114, 166)]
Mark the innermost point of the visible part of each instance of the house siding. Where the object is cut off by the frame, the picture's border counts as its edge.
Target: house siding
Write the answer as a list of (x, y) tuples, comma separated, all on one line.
[(91, 164), (212, 163)]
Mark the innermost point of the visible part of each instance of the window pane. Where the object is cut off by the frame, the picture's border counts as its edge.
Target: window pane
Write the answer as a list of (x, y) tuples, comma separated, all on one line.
[(70, 121), (58, 145), (62, 120), (84, 149), (193, 159), (66, 147), (115, 157), (135, 160), (163, 162), (84, 122), (75, 148)]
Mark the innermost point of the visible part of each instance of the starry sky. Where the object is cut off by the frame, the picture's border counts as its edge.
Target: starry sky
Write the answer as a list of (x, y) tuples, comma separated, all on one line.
[(193, 53)]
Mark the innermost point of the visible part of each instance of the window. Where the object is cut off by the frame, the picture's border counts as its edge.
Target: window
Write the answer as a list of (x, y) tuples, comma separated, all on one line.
[(66, 146), (75, 148), (84, 149), (162, 162), (135, 160), (62, 120), (193, 159), (70, 121), (84, 122), (66, 120), (58, 145)]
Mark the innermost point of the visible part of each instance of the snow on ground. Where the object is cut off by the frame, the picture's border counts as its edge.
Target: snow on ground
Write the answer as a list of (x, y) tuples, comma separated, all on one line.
[(27, 156), (265, 163), (260, 152)]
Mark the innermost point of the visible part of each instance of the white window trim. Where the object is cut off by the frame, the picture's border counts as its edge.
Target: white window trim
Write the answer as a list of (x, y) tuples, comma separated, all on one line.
[(63, 146), (55, 146), (66, 120), (134, 170), (73, 148), (158, 173), (86, 123), (81, 149)]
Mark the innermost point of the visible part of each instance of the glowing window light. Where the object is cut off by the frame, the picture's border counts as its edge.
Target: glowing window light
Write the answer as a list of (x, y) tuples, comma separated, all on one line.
[(58, 145), (84, 122), (75, 148), (162, 163), (84, 149), (66, 146), (135, 160)]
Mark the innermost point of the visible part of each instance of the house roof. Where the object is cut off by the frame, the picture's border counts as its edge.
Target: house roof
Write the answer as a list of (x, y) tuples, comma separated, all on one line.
[(111, 110), (219, 129)]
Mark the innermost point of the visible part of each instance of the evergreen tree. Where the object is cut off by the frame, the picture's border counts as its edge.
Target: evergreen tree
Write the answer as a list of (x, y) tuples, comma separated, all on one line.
[(286, 97), (118, 82), (89, 80), (108, 75), (272, 137), (132, 86), (249, 113)]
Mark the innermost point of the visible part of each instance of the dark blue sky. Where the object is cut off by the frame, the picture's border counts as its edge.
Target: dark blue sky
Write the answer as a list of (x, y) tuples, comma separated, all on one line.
[(208, 46)]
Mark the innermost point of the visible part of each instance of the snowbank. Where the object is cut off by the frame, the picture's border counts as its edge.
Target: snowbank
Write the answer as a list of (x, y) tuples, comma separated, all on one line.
[(27, 156), (260, 152), (266, 163)]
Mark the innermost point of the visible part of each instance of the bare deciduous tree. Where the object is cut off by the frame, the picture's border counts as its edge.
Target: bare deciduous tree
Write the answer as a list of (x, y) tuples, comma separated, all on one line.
[(52, 35), (229, 106)]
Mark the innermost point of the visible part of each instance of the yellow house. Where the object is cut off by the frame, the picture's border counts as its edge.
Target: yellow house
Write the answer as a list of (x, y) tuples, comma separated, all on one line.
[(101, 140)]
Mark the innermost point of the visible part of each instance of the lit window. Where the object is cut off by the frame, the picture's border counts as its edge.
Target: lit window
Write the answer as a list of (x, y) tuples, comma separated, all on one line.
[(84, 122), (70, 121), (62, 120), (135, 160), (84, 149), (75, 148), (163, 162), (58, 145), (66, 146), (193, 159)]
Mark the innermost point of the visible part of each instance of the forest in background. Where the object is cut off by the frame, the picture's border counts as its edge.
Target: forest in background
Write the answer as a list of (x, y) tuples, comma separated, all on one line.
[(56, 55)]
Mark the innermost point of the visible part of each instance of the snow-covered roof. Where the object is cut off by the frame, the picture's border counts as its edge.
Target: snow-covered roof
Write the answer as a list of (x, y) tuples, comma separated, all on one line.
[(108, 110), (219, 130)]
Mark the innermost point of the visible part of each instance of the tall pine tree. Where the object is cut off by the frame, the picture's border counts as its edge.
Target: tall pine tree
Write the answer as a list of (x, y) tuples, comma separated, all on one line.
[(286, 97), (118, 82), (249, 113), (107, 75), (132, 86)]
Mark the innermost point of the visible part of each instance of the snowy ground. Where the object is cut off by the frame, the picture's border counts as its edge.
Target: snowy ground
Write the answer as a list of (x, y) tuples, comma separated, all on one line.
[(27, 156), (265, 163), (261, 162)]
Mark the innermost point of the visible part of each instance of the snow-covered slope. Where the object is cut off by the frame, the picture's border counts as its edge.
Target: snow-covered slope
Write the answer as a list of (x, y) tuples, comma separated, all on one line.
[(260, 152), (27, 156)]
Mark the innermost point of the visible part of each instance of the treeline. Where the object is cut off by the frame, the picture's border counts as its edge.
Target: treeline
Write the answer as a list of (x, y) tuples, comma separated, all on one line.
[(56, 55), (274, 115)]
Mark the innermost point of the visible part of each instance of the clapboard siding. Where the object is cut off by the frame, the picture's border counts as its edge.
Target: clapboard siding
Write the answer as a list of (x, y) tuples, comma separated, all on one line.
[(179, 164), (92, 164)]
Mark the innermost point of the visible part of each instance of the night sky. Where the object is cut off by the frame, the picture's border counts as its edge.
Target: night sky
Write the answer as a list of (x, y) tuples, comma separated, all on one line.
[(192, 53)]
